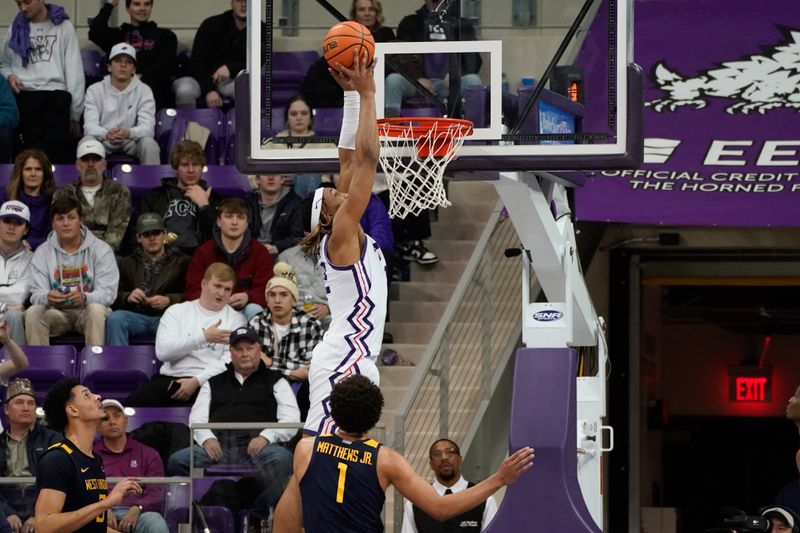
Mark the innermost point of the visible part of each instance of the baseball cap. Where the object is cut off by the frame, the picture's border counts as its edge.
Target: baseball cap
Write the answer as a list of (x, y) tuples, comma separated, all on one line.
[(149, 222), (19, 386), (122, 48), (112, 403), (16, 209), (243, 333), (90, 145)]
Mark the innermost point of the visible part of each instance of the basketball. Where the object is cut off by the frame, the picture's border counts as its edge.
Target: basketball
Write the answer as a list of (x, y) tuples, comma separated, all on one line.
[(343, 40)]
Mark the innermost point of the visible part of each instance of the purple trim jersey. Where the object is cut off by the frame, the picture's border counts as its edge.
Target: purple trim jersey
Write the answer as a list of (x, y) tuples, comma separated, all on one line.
[(357, 297)]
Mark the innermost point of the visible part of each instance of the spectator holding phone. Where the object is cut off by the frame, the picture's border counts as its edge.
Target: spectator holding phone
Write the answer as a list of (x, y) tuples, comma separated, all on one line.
[(192, 342)]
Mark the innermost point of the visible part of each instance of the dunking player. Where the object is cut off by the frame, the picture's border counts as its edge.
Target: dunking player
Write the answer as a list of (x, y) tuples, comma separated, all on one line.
[(72, 486), (352, 263), (340, 479)]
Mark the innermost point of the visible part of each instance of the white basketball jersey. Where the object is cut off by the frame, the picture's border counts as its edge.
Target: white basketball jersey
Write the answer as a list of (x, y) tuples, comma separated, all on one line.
[(357, 301)]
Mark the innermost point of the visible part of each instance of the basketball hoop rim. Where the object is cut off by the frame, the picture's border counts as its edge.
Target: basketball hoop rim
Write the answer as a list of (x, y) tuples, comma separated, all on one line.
[(419, 127)]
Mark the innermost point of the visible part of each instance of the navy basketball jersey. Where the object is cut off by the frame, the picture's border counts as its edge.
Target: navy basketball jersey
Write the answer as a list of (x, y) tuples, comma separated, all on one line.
[(63, 467), (340, 489)]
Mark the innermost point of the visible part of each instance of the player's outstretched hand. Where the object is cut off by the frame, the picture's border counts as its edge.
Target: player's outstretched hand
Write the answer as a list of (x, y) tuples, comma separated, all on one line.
[(516, 463), (124, 488), (359, 77)]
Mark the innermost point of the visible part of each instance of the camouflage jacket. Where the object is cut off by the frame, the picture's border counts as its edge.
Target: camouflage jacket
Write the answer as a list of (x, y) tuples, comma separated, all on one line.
[(108, 218)]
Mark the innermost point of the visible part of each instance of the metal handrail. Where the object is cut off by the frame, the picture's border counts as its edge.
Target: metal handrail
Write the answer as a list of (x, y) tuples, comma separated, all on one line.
[(464, 377)]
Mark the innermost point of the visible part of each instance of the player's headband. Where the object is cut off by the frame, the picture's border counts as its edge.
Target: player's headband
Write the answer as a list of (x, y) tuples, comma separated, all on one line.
[(316, 208)]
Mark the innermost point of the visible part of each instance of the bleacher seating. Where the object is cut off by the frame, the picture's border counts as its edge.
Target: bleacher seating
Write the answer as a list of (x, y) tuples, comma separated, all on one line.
[(328, 121), (46, 365), (176, 508), (213, 119), (141, 178), (142, 415), (288, 71), (116, 371), (94, 66), (226, 180), (65, 174)]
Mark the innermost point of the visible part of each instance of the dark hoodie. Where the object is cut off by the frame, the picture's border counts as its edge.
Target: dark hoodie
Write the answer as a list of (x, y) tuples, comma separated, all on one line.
[(156, 50), (251, 262), (192, 225)]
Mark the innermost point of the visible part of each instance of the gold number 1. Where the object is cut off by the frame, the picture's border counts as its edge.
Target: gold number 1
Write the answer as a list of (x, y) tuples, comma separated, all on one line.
[(340, 489)]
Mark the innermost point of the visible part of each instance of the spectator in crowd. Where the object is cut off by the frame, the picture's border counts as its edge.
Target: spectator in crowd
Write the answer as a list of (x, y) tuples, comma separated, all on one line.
[(33, 184), (246, 392), (15, 279), (287, 334), (299, 119), (120, 110), (105, 204), (319, 88), (74, 280), (21, 446), (187, 205), (445, 461), (156, 48), (310, 283), (272, 211), (41, 60), (233, 245), (429, 24), (73, 490), (150, 279), (219, 52), (9, 118), (782, 520), (192, 343), (124, 456)]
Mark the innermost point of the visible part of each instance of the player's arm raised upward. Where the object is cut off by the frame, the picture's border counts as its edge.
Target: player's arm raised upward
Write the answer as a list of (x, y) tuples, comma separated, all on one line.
[(393, 468), (357, 173)]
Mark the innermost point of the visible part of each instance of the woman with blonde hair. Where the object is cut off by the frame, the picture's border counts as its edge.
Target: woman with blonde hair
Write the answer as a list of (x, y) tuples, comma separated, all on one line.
[(33, 184), (370, 14)]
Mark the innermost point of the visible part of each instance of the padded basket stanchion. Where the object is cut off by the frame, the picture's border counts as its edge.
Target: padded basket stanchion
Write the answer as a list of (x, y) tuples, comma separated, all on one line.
[(414, 154)]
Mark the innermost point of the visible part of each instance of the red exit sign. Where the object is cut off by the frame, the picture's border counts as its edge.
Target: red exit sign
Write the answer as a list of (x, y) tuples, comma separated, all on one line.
[(750, 384)]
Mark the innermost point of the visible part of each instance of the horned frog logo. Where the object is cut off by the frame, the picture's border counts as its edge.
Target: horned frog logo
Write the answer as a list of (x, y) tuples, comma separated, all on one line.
[(758, 82)]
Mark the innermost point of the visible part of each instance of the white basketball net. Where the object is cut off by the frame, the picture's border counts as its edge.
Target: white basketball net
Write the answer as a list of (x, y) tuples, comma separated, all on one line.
[(414, 167)]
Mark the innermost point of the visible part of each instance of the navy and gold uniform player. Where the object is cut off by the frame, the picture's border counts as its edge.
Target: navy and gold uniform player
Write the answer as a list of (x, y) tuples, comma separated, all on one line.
[(72, 486), (340, 479)]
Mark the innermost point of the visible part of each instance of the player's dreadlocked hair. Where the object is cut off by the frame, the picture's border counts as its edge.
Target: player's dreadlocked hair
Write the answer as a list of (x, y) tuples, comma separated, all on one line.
[(313, 238)]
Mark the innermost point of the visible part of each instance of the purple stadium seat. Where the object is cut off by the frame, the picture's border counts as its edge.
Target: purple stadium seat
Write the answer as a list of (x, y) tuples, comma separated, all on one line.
[(5, 173), (543, 415), (278, 120), (116, 371), (293, 62), (476, 105), (165, 118), (177, 508), (213, 119), (64, 174), (420, 112), (230, 137), (46, 365), (435, 65), (328, 121), (226, 180), (141, 178), (94, 66), (143, 415), (288, 71)]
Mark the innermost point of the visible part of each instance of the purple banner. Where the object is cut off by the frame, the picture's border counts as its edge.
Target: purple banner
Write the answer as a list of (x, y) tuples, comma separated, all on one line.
[(722, 116)]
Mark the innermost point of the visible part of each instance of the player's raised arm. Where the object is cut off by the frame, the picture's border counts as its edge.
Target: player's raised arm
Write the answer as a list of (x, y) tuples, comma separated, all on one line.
[(358, 169), (399, 473)]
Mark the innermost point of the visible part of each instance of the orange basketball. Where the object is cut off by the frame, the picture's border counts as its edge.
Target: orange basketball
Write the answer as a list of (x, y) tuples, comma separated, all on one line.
[(343, 40)]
